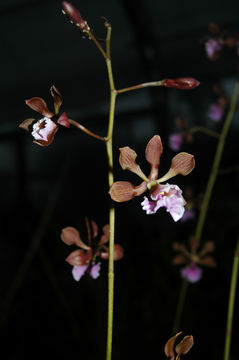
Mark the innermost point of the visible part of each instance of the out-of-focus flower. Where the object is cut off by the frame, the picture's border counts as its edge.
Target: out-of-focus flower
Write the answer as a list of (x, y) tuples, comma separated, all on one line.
[(44, 130), (215, 112), (169, 195), (192, 258), (213, 47), (84, 259), (183, 347), (184, 83), (175, 141)]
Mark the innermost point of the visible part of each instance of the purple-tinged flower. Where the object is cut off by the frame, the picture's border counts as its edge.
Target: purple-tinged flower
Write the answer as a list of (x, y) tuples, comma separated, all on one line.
[(44, 130), (213, 47), (188, 215), (183, 163), (192, 258), (191, 272), (215, 112), (83, 260), (175, 141), (168, 196)]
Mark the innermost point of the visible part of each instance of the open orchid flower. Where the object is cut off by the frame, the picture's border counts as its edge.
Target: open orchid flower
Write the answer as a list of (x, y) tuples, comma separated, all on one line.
[(183, 347), (191, 271), (168, 196), (84, 259), (44, 130)]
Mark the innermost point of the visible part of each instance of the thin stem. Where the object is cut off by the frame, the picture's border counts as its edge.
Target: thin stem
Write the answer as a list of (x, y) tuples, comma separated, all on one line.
[(209, 188), (141, 86), (180, 306), (81, 127), (231, 302), (203, 130), (96, 42), (216, 163)]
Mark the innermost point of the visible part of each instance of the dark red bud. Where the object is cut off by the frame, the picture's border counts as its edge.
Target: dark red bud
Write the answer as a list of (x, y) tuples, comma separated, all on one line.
[(73, 14), (185, 83)]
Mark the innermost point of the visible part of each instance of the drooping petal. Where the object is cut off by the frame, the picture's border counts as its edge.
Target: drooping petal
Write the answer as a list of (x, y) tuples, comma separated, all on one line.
[(26, 124), (185, 345), (169, 346), (127, 161), (122, 191), (191, 272), (63, 120), (55, 93), (70, 235), (39, 105), (78, 271), (153, 153), (79, 257), (94, 270)]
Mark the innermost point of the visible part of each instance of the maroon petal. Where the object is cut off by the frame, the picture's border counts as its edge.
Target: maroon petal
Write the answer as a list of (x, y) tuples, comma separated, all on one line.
[(39, 105), (64, 120), (26, 124), (70, 235), (122, 191), (55, 93), (153, 153)]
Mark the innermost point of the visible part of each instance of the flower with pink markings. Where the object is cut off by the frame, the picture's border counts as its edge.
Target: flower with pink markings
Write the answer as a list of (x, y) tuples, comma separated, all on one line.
[(44, 130), (192, 258), (168, 196), (84, 259)]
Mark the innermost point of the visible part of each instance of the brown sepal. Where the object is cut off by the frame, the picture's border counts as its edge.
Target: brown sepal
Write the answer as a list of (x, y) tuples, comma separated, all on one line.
[(127, 161), (153, 153), (118, 253), (169, 346), (122, 191), (208, 261), (39, 105), (105, 237), (26, 124), (183, 163), (70, 235), (184, 346), (57, 97), (79, 257), (179, 260)]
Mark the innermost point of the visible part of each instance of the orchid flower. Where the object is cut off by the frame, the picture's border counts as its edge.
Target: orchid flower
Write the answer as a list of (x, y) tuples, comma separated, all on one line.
[(162, 195), (83, 260), (44, 129)]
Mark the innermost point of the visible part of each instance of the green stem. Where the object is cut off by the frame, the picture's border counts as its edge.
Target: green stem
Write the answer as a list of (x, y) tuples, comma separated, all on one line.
[(180, 306), (231, 302), (141, 86), (215, 166), (203, 130), (109, 149), (209, 188)]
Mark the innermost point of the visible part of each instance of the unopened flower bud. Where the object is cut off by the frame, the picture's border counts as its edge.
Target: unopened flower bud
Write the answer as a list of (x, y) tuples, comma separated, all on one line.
[(74, 15), (185, 83)]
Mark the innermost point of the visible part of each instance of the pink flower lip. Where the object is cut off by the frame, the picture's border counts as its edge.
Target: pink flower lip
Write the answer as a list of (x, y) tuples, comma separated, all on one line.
[(43, 129), (191, 272)]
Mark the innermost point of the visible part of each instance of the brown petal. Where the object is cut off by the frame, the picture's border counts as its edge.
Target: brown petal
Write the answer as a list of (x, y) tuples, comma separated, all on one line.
[(92, 229), (208, 261), (153, 153), (79, 258), (193, 244), (122, 191), (185, 345), (55, 93), (208, 247), (179, 260), (39, 105), (169, 346), (183, 163), (70, 235), (127, 161), (105, 237), (179, 247), (26, 124)]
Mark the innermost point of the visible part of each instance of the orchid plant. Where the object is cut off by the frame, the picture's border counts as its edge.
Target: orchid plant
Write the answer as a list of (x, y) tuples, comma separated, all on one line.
[(86, 258)]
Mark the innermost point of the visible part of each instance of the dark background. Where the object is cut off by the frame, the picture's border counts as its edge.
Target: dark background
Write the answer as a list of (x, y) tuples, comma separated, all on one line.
[(44, 312)]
